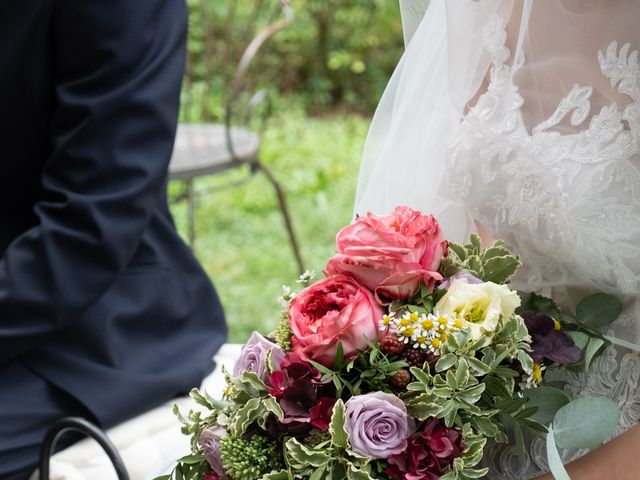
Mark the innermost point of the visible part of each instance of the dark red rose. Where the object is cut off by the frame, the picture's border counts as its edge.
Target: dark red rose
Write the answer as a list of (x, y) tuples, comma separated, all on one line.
[(298, 388), (444, 443), (210, 476), (428, 453), (321, 413), (414, 463)]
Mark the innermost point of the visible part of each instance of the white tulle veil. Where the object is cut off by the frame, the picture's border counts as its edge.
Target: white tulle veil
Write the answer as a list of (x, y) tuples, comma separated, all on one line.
[(444, 68), (440, 70)]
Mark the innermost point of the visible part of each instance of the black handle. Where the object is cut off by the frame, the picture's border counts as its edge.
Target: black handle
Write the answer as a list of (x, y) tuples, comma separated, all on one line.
[(76, 424)]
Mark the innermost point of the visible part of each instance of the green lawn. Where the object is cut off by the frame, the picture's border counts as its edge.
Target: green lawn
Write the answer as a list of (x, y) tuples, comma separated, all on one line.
[(241, 240)]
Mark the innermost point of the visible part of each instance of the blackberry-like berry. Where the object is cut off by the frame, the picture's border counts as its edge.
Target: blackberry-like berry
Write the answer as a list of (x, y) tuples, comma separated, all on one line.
[(401, 379), (391, 345), (414, 357), (430, 357)]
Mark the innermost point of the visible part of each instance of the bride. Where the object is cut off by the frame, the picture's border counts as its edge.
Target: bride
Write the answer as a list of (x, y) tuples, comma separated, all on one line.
[(520, 120)]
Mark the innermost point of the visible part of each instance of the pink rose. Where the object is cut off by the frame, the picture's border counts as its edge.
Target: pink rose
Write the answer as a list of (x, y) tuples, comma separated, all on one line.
[(391, 254), (334, 310)]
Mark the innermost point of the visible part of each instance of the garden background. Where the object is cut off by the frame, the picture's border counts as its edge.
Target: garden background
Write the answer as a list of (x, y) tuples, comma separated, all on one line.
[(324, 75)]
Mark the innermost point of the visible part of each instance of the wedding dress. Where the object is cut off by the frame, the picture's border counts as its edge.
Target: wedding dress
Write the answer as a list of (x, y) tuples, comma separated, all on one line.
[(521, 120)]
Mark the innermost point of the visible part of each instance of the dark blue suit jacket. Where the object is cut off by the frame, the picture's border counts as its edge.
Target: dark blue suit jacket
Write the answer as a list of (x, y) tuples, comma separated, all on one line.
[(97, 292)]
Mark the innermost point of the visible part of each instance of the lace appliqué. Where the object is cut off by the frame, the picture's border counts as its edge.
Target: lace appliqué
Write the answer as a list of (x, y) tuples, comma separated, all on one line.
[(572, 196), (569, 204)]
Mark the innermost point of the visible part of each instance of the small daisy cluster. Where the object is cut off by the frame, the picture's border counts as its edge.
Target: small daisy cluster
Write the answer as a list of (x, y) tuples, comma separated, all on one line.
[(286, 297), (424, 331), (306, 277), (536, 375)]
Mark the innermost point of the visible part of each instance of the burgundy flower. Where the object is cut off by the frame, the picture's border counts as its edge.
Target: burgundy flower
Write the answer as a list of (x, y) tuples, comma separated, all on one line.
[(444, 443), (210, 476), (321, 413), (547, 342), (298, 388), (428, 453), (414, 463)]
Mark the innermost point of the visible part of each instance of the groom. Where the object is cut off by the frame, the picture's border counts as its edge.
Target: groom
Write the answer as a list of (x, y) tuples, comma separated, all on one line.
[(104, 312)]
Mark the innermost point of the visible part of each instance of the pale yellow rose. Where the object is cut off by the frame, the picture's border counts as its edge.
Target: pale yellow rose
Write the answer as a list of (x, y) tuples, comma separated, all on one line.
[(478, 306)]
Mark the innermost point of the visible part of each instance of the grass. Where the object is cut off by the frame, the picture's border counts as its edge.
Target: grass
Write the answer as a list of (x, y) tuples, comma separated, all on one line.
[(241, 239)]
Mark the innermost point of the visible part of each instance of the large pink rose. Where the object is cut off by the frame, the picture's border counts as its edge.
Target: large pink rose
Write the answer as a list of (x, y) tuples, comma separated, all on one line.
[(391, 254), (336, 309)]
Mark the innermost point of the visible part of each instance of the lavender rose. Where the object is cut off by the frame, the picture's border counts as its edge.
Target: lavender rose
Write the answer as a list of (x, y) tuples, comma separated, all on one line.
[(377, 424), (253, 357), (210, 441)]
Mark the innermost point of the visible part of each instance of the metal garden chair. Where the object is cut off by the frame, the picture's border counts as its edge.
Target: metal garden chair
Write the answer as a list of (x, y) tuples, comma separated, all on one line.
[(86, 428), (212, 148)]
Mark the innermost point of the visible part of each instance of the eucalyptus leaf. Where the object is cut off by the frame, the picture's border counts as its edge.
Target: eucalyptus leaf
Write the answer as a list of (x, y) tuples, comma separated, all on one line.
[(598, 310), (580, 339), (548, 400), (585, 422), (594, 348)]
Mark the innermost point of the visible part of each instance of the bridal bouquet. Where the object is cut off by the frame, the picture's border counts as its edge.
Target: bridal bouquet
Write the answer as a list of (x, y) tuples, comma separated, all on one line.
[(401, 363)]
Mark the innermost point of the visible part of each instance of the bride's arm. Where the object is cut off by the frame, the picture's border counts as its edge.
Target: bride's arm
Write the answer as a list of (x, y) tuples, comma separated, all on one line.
[(619, 459)]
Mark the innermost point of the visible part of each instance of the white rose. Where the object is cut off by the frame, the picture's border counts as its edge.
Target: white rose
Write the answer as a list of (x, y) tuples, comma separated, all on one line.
[(478, 306)]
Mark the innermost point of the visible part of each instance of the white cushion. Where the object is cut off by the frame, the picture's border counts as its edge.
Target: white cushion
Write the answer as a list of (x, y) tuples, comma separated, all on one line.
[(148, 444)]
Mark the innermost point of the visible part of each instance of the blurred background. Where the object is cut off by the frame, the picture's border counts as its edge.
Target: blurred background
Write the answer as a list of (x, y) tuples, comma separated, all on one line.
[(323, 75)]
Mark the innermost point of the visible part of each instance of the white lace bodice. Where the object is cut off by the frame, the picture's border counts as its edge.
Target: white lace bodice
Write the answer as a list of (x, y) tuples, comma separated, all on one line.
[(565, 194)]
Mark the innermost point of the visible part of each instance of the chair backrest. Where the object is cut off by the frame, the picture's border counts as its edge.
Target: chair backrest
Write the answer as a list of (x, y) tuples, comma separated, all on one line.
[(224, 39)]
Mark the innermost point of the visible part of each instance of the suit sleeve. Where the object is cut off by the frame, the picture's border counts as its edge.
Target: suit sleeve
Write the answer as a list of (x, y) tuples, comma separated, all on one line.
[(118, 66)]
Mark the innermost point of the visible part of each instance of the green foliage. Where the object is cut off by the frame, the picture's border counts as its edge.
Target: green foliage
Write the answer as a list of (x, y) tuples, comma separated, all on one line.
[(585, 422), (533, 302), (334, 52), (249, 459), (330, 459), (282, 334), (422, 302), (369, 371), (547, 400), (593, 313), (598, 310), (474, 384), (494, 264)]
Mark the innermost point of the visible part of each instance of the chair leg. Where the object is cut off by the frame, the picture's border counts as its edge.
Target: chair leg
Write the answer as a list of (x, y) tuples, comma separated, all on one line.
[(76, 424), (191, 213), (285, 214)]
